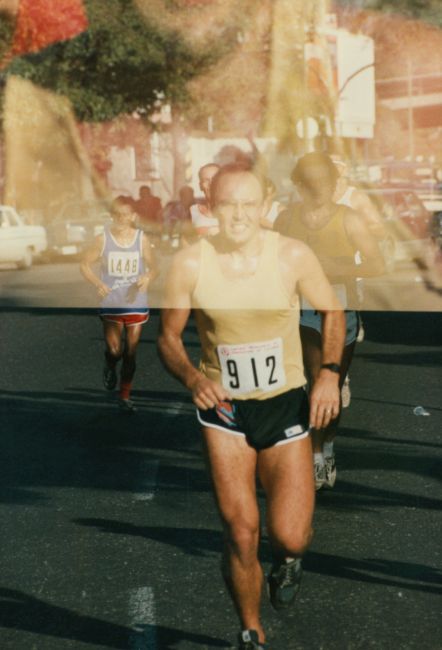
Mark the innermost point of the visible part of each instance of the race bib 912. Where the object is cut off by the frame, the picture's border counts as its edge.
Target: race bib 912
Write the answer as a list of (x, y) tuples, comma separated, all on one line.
[(248, 367)]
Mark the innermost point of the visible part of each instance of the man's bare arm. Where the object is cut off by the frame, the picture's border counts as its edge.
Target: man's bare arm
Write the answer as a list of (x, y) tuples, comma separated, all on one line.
[(150, 261), (363, 205), (179, 287), (325, 394), (91, 256), (365, 242)]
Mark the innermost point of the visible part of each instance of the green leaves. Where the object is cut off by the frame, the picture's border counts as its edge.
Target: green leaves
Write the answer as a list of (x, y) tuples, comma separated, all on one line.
[(120, 64)]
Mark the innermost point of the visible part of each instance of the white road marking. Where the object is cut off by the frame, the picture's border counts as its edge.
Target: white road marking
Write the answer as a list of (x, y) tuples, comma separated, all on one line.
[(148, 484), (175, 408), (71, 402), (142, 619), (142, 600)]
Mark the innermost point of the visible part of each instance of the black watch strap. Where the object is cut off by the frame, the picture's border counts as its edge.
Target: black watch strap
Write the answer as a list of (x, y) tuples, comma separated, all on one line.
[(334, 367)]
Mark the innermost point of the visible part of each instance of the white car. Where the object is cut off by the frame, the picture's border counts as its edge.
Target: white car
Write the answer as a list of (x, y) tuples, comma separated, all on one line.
[(76, 227), (19, 242)]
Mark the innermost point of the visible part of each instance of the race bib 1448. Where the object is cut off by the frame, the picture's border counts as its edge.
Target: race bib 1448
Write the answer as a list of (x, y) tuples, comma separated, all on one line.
[(248, 367), (123, 263)]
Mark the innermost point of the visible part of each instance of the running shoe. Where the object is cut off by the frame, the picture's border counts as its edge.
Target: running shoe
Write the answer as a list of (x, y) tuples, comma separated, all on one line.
[(109, 377), (346, 393), (330, 471), (361, 333), (249, 640), (127, 405), (284, 581), (319, 475)]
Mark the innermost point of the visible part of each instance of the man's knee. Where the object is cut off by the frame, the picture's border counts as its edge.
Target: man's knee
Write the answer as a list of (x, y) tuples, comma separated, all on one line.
[(114, 350), (242, 535), (295, 542)]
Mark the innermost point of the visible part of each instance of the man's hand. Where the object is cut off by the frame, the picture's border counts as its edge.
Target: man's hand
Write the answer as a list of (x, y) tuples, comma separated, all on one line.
[(206, 394), (143, 282), (324, 399), (103, 290)]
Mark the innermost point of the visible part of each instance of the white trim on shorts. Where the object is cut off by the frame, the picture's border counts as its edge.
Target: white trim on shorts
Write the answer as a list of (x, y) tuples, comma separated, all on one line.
[(218, 426), (109, 319), (300, 436), (240, 434)]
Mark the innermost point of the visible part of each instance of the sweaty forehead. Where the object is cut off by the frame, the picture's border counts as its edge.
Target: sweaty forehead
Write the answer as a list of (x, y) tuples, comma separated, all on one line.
[(316, 174), (208, 172), (242, 186), (123, 209)]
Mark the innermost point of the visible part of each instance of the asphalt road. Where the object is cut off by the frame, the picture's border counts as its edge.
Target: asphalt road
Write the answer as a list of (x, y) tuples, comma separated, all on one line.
[(109, 534), (61, 286)]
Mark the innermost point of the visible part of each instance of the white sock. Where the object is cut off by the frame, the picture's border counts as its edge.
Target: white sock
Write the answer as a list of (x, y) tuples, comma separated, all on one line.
[(328, 449), (318, 458)]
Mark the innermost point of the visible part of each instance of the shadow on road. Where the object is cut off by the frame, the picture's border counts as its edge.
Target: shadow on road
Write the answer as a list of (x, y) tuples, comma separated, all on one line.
[(403, 328), (404, 575), (205, 543), (431, 359), (200, 542), (79, 439), (23, 612)]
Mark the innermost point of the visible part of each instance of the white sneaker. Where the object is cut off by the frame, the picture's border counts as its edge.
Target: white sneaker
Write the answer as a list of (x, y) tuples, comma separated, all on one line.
[(320, 476), (330, 471), (127, 405), (361, 334), (346, 393)]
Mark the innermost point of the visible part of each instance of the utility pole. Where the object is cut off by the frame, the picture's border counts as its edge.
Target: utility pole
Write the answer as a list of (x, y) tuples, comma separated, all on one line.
[(410, 109)]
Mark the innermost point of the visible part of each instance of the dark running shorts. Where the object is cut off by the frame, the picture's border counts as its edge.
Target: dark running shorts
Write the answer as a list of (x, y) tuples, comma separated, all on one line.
[(264, 423), (312, 319)]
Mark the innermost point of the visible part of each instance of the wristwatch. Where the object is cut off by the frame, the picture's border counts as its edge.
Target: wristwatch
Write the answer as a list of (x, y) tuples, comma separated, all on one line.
[(334, 367)]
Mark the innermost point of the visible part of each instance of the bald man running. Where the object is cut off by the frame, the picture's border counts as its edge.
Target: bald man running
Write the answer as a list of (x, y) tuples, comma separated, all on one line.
[(248, 389)]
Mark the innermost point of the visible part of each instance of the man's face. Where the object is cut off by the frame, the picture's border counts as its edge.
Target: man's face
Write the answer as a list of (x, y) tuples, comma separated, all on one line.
[(144, 193), (205, 177), (238, 204), (123, 215), (317, 186)]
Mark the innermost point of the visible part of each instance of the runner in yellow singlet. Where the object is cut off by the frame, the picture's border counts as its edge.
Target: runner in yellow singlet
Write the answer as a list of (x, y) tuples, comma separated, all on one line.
[(249, 387)]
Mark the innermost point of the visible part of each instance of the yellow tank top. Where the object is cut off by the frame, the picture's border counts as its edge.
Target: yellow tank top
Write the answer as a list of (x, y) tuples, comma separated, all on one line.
[(331, 240), (248, 327)]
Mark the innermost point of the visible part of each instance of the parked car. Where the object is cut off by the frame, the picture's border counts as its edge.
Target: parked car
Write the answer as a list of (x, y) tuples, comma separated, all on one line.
[(19, 242), (76, 226), (406, 218)]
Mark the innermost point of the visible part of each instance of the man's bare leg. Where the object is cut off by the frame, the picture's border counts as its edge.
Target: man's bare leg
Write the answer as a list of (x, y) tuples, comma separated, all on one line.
[(286, 474), (232, 464), (311, 350), (112, 337)]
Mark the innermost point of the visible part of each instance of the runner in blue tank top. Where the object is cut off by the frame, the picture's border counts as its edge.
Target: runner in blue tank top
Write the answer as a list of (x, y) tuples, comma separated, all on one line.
[(127, 268)]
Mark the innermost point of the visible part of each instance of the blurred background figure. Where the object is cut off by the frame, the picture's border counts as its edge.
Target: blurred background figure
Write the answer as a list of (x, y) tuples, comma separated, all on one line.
[(177, 224), (203, 221), (351, 196), (335, 233), (148, 208), (272, 207)]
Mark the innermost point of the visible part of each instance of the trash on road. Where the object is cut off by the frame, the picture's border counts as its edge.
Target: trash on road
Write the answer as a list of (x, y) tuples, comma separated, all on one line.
[(419, 410)]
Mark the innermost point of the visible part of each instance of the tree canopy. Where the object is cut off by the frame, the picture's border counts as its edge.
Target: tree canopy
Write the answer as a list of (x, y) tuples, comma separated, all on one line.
[(121, 63), (428, 10)]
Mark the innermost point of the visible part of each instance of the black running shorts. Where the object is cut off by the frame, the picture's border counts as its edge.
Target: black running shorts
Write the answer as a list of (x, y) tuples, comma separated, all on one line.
[(264, 423)]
